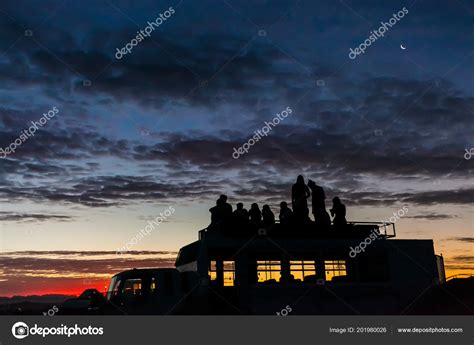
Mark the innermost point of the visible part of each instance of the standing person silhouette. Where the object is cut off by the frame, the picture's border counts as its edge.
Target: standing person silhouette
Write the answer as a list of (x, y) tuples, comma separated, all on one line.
[(338, 211), (299, 193), (321, 217)]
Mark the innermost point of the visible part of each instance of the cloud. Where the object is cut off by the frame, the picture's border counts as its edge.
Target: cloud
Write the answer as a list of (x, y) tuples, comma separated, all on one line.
[(459, 196), (424, 125), (431, 216), (27, 272), (463, 239), (467, 259), (74, 264), (32, 217)]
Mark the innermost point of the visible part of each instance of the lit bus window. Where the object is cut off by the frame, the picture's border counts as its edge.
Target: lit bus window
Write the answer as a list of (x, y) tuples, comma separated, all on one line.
[(229, 273), (268, 271), (212, 270), (300, 269), (132, 287), (334, 268), (228, 268)]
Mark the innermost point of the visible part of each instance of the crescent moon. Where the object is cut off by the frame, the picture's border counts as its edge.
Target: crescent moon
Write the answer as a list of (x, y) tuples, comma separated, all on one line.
[(401, 46)]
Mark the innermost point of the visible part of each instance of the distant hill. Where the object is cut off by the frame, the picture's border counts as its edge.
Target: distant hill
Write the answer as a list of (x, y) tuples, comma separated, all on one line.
[(53, 298), (30, 305)]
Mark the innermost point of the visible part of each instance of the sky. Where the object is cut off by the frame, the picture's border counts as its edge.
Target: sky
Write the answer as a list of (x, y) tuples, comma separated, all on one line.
[(156, 128)]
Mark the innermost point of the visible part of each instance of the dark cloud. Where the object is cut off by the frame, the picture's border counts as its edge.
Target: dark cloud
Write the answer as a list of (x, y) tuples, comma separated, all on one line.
[(423, 125), (467, 259), (463, 239), (31, 217), (75, 263), (114, 190), (469, 269), (431, 216), (83, 253), (459, 196)]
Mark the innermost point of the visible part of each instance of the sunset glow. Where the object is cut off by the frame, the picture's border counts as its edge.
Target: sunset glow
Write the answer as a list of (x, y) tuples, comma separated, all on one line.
[(155, 130)]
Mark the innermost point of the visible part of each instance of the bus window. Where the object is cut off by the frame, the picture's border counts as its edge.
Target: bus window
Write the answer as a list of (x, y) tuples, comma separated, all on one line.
[(334, 269), (300, 269), (132, 288), (268, 271), (229, 273), (212, 270)]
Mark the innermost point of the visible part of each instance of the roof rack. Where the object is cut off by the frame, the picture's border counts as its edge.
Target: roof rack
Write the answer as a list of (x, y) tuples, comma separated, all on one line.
[(385, 229)]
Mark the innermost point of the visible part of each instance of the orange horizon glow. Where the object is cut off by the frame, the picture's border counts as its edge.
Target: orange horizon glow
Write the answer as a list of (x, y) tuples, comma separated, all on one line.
[(102, 285)]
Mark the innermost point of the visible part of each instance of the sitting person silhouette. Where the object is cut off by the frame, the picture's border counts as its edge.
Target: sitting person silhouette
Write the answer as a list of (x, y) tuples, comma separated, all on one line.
[(338, 211), (241, 213), (321, 217), (286, 214), (268, 216), (255, 215), (299, 193), (216, 213), (226, 208), (221, 212)]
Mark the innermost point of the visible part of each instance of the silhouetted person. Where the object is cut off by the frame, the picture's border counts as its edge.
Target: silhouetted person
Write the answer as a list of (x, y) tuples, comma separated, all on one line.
[(268, 216), (221, 212), (226, 208), (255, 215), (241, 213), (338, 211), (321, 217), (217, 215), (299, 193), (286, 214)]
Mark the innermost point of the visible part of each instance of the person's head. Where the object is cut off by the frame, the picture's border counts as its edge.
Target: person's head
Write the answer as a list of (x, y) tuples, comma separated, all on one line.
[(266, 208), (311, 183), (336, 201), (223, 197), (254, 206), (283, 205), (240, 206), (300, 179)]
